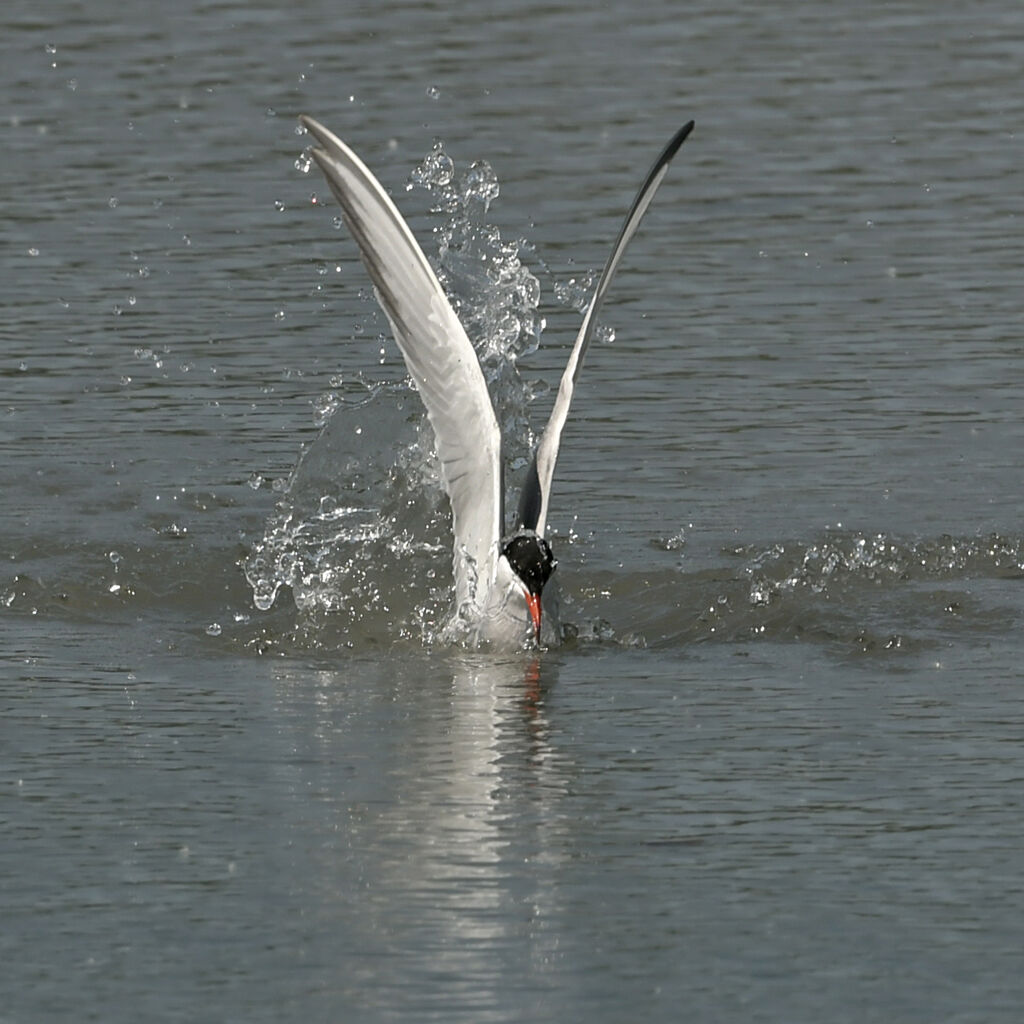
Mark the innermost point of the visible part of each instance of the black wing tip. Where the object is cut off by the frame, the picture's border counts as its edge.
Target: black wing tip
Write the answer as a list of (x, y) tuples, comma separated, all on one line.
[(676, 141)]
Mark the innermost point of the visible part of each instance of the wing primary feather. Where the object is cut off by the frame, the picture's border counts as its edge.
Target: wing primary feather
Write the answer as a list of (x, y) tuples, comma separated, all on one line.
[(438, 355), (536, 493)]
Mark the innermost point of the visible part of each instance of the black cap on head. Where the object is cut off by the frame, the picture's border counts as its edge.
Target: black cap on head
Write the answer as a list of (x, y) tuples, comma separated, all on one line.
[(531, 558)]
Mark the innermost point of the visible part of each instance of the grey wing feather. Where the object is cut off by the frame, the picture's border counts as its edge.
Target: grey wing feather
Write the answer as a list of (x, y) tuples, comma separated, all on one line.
[(536, 494), (438, 355)]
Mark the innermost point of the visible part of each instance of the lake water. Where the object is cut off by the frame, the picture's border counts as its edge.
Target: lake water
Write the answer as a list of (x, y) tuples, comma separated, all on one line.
[(776, 772)]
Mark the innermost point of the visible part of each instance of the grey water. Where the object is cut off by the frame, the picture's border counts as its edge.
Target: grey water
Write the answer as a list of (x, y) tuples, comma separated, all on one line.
[(776, 772)]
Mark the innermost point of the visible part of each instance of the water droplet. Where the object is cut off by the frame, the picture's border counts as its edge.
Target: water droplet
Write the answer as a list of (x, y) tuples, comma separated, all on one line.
[(278, 205), (33, 251), (213, 629), (303, 163), (324, 408), (481, 183), (51, 48), (279, 315), (676, 542), (112, 202), (571, 293), (436, 171), (255, 481), (433, 92)]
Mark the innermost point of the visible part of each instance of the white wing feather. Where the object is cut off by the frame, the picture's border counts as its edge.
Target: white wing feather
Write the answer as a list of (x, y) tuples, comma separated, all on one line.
[(438, 355)]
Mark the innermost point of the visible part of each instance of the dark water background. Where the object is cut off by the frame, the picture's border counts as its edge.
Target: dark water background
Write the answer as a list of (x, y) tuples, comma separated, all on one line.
[(777, 776)]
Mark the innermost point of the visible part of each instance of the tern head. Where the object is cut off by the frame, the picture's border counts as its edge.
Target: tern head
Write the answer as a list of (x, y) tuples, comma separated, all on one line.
[(533, 563)]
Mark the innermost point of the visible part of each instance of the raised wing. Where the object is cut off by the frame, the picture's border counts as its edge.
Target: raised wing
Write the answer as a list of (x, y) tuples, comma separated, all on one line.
[(438, 355), (536, 493)]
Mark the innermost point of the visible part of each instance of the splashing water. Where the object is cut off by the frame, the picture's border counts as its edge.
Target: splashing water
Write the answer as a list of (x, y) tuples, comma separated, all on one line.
[(359, 531), (877, 592), (494, 294), (877, 558)]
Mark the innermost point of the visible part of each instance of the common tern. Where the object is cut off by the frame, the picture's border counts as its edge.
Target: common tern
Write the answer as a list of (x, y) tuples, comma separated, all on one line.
[(499, 573)]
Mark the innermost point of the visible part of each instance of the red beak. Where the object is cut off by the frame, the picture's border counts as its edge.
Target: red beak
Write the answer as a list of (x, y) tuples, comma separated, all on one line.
[(533, 603)]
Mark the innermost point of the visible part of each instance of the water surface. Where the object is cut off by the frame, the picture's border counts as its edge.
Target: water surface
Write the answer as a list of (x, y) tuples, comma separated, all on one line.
[(776, 773)]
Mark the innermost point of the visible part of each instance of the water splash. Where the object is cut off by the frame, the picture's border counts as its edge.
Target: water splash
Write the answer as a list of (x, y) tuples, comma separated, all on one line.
[(876, 593), (875, 559), (494, 293), (358, 532)]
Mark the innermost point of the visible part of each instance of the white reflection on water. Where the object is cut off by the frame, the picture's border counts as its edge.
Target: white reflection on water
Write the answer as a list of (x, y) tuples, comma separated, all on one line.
[(441, 824)]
